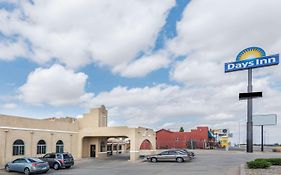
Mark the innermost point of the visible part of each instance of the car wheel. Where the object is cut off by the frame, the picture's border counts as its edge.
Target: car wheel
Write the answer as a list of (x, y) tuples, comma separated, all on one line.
[(153, 159), (67, 167), (179, 159), (26, 171), (7, 168), (56, 166)]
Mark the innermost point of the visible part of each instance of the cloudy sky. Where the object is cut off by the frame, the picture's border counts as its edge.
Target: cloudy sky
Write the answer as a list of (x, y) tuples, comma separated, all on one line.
[(152, 63)]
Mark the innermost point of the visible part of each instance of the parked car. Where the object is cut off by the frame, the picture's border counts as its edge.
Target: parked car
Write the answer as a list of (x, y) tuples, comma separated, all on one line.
[(27, 166), (59, 160), (171, 155), (190, 153)]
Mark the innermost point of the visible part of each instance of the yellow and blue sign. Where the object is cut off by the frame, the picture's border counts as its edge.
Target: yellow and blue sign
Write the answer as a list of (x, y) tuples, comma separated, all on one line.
[(252, 57)]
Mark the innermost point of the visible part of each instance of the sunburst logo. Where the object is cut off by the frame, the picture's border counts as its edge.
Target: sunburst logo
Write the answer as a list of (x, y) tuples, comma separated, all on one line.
[(252, 57), (250, 53)]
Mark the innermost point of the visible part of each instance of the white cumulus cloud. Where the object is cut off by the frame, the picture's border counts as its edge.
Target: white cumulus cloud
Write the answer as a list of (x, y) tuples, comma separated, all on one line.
[(54, 86), (9, 106), (145, 65), (107, 32), (216, 36)]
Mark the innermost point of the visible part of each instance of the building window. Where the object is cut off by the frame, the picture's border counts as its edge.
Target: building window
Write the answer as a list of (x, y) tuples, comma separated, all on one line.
[(18, 147), (59, 146), (102, 147), (41, 147)]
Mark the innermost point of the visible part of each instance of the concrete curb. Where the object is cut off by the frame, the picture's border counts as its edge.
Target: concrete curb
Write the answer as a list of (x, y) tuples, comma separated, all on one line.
[(242, 169)]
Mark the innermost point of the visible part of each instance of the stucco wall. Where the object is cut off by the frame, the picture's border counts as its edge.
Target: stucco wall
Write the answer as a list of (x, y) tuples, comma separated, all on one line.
[(2, 146), (31, 139), (31, 131), (77, 135), (22, 122)]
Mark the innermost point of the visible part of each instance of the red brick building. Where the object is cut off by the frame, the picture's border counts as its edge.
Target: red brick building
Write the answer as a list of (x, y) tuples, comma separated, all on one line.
[(196, 138)]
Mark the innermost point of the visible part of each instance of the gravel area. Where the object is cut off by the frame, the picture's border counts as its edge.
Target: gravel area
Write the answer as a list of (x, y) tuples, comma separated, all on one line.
[(273, 170)]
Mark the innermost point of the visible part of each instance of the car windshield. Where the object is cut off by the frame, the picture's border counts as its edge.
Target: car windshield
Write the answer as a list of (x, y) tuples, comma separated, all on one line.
[(59, 156), (164, 153), (67, 156), (33, 160), (182, 152)]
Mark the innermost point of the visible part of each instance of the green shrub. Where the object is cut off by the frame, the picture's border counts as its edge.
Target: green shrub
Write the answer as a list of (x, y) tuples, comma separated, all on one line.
[(260, 163), (273, 161)]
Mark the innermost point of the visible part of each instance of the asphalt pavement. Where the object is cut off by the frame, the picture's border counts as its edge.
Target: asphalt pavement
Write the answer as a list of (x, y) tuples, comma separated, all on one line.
[(207, 162)]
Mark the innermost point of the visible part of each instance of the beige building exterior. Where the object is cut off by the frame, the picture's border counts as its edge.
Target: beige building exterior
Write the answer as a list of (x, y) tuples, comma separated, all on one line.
[(83, 137)]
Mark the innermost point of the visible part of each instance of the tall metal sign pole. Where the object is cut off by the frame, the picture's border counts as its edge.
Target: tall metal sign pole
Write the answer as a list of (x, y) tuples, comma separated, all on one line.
[(250, 113), (249, 58)]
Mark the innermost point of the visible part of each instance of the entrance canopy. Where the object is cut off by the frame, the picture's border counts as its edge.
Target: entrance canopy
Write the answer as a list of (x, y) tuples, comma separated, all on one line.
[(99, 135)]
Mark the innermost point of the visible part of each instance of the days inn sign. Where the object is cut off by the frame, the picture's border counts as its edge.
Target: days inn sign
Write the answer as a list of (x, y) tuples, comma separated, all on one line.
[(252, 57), (249, 58)]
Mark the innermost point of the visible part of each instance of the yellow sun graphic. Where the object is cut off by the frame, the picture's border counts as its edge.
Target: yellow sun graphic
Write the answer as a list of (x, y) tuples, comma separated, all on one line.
[(250, 53)]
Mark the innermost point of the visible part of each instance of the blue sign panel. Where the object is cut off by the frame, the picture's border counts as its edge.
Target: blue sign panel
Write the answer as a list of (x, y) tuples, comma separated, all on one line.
[(252, 63)]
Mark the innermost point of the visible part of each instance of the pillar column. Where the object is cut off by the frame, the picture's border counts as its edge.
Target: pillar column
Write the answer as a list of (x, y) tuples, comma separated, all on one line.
[(134, 151), (51, 143), (5, 146), (31, 143), (70, 144)]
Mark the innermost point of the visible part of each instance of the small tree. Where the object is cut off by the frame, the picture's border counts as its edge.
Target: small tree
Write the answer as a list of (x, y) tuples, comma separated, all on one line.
[(181, 129)]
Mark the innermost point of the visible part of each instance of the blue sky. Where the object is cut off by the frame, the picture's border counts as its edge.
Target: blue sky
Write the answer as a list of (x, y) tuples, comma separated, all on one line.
[(99, 78), (156, 64)]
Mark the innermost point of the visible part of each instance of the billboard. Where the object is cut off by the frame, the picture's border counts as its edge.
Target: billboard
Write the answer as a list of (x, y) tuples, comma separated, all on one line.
[(268, 119), (220, 132)]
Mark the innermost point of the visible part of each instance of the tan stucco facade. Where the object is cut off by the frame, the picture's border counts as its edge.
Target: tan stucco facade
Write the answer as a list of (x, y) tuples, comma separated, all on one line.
[(83, 137)]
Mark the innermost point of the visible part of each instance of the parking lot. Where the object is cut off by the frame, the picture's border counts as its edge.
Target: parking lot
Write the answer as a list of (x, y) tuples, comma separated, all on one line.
[(209, 162)]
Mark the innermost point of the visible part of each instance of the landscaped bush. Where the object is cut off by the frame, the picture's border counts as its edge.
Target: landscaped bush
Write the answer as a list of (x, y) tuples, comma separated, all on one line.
[(277, 149), (273, 161), (260, 163)]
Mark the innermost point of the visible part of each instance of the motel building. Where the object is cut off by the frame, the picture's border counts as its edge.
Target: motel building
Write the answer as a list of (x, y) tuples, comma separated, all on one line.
[(84, 137)]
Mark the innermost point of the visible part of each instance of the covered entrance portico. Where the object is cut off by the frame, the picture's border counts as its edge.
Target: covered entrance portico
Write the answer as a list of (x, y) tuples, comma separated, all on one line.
[(94, 132), (97, 138)]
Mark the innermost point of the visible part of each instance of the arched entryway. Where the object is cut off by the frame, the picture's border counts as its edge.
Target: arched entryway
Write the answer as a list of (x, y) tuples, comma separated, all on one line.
[(146, 145), (133, 138)]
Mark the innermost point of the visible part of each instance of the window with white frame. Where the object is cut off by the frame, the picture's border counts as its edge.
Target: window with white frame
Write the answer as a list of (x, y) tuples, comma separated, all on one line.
[(59, 146), (18, 147), (41, 147)]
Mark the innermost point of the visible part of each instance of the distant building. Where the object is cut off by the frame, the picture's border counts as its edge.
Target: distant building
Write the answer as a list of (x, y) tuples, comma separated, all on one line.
[(197, 138)]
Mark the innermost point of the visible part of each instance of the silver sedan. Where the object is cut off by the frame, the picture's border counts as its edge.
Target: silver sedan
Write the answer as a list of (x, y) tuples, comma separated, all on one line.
[(171, 155), (27, 166)]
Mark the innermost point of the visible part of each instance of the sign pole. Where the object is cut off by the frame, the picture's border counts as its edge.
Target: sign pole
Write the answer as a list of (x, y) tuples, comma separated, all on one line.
[(250, 114), (262, 138), (245, 60)]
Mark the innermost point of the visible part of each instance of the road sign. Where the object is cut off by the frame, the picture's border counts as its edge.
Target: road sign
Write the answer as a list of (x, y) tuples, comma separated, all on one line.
[(244, 96), (268, 119)]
